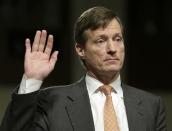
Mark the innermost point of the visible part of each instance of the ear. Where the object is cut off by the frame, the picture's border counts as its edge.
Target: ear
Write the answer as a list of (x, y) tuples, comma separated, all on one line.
[(80, 50)]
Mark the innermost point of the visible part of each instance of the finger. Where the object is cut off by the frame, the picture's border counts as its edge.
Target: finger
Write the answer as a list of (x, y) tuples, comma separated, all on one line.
[(54, 58), (36, 41), (49, 46), (42, 40), (28, 46)]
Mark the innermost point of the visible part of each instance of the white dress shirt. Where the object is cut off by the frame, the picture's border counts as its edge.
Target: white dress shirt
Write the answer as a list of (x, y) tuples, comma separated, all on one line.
[(29, 85), (97, 99)]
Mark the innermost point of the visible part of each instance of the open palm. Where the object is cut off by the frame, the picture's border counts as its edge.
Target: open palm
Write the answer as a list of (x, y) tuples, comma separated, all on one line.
[(38, 59)]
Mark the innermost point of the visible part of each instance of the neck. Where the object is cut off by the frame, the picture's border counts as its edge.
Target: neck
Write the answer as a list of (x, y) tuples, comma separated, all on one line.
[(105, 78)]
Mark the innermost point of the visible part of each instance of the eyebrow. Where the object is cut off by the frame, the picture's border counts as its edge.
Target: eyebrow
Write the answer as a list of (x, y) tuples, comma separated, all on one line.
[(104, 36)]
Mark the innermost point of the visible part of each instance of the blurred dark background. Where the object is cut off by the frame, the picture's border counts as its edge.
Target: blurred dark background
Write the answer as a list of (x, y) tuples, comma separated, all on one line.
[(148, 33)]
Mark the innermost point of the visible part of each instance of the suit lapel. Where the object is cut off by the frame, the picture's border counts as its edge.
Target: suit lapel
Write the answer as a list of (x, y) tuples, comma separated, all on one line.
[(134, 110), (79, 108)]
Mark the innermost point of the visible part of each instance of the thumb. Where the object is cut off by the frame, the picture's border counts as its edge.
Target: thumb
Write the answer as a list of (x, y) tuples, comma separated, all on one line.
[(54, 58)]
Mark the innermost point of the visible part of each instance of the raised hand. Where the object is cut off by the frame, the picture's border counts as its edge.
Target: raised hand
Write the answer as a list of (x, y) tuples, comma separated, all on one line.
[(38, 59)]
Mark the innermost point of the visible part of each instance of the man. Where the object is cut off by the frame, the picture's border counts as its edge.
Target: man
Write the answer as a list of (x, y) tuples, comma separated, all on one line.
[(97, 102)]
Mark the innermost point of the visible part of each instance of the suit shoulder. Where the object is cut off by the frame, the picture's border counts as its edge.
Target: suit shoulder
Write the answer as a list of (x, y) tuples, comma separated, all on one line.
[(65, 87), (139, 93), (60, 90)]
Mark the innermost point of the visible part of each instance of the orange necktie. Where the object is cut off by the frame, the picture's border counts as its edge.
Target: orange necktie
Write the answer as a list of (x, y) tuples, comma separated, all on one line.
[(110, 119)]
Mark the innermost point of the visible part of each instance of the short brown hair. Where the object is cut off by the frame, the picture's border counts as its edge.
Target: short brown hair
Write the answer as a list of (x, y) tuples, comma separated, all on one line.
[(92, 18)]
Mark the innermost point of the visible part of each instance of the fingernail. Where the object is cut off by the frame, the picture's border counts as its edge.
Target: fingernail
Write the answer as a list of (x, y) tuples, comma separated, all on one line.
[(51, 36), (44, 31), (27, 39)]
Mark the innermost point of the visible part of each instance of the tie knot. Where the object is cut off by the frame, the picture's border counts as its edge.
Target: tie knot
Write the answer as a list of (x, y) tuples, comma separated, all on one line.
[(106, 89)]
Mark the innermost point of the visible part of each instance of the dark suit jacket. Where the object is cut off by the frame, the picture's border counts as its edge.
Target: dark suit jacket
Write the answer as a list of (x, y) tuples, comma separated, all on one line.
[(67, 108)]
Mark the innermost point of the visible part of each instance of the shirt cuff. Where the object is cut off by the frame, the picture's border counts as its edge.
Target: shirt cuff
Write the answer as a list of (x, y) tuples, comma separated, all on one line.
[(29, 85)]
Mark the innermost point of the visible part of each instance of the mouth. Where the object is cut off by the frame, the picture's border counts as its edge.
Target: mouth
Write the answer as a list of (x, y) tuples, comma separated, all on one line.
[(111, 60)]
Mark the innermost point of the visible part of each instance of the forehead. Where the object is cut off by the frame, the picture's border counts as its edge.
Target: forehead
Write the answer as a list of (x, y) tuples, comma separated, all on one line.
[(111, 29)]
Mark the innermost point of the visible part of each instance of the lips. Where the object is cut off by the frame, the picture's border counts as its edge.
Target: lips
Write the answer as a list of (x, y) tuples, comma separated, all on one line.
[(111, 59)]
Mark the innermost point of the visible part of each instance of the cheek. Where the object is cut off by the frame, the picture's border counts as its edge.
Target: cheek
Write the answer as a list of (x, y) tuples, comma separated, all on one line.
[(122, 54), (122, 50), (94, 57)]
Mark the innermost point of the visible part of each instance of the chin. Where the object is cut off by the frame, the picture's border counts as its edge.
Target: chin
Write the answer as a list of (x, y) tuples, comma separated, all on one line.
[(113, 68)]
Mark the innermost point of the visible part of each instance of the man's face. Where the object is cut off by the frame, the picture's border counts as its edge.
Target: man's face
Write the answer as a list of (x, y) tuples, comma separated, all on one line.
[(104, 49)]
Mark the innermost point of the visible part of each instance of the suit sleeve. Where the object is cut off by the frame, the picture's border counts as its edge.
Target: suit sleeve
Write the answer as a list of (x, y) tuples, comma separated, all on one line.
[(161, 119), (23, 114)]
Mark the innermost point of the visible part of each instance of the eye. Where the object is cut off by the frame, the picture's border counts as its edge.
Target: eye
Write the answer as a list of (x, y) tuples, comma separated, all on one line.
[(100, 41), (119, 39)]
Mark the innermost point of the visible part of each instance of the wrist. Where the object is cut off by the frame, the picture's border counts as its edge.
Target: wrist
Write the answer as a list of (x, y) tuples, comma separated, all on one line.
[(35, 77)]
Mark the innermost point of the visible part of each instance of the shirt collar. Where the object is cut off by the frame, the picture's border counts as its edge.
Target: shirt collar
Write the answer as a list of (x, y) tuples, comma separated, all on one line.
[(93, 85)]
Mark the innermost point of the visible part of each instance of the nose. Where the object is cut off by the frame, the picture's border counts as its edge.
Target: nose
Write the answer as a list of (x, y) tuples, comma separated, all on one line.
[(111, 49)]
